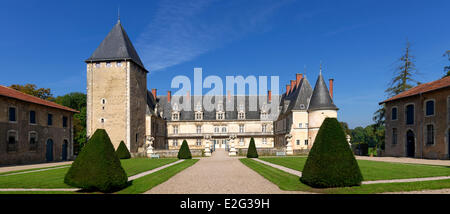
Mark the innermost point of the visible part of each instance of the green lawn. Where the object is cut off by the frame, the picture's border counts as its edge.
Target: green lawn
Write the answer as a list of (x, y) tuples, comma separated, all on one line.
[(147, 182), (54, 178), (26, 170), (287, 181), (374, 170)]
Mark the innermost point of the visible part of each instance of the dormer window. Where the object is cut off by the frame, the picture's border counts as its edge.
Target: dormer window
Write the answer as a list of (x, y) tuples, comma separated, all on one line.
[(198, 116), (241, 115), (264, 116), (175, 116), (119, 64), (220, 115), (108, 64), (97, 65)]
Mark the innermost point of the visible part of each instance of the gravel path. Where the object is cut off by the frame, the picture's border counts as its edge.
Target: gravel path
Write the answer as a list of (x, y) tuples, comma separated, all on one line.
[(406, 160), (435, 191), (282, 168), (218, 174), (152, 171), (32, 166)]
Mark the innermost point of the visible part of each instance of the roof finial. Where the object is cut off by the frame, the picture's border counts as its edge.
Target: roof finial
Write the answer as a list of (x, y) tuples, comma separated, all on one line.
[(320, 71)]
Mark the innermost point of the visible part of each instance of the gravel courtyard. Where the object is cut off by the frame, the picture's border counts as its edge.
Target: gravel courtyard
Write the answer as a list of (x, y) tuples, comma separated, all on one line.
[(218, 174)]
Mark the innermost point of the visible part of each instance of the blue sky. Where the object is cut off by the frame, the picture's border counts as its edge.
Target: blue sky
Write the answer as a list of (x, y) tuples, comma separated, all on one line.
[(46, 42)]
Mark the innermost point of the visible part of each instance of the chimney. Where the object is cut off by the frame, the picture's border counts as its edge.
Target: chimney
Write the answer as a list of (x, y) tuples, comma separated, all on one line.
[(188, 95), (154, 93), (292, 85), (299, 77), (288, 88), (169, 96), (269, 95), (331, 87)]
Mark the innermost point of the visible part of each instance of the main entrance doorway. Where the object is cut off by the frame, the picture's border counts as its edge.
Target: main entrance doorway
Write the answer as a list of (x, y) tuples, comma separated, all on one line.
[(410, 144)]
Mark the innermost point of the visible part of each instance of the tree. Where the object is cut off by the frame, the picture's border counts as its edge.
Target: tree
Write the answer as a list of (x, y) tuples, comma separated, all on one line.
[(76, 100), (97, 167), (345, 128), (251, 151), (447, 67), (31, 89), (184, 152), (122, 151), (403, 80), (331, 162)]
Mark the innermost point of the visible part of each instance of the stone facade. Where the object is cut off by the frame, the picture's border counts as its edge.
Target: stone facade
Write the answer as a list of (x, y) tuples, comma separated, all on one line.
[(424, 127), (47, 138)]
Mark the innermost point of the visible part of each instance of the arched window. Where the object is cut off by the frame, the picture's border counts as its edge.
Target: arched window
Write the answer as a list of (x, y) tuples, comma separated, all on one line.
[(33, 140), (13, 137)]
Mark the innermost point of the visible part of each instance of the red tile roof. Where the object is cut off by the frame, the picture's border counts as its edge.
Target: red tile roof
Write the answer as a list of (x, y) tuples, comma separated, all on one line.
[(12, 93), (422, 88)]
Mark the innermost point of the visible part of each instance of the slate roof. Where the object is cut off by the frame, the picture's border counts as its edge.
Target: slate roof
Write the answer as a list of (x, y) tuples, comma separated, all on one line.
[(116, 46), (12, 93), (422, 88), (320, 98)]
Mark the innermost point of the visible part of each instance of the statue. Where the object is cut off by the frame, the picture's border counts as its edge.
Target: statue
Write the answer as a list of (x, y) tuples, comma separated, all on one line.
[(148, 146), (207, 146), (289, 150), (232, 147)]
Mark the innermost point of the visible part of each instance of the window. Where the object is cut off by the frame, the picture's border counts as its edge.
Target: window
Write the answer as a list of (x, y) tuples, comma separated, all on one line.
[(264, 128), (241, 141), (175, 142), (32, 117), (300, 125), (264, 116), (199, 129), (306, 142), (12, 141), (306, 125), (50, 119), (97, 65), (102, 120), (298, 142), (409, 114), (394, 136), (264, 141), (241, 115), (33, 141), (429, 105), (216, 129), (12, 114), (175, 129), (224, 129), (198, 115), (103, 100), (119, 64), (394, 113), (241, 128), (220, 116), (108, 64), (199, 142), (137, 136), (64, 121), (175, 116), (430, 134)]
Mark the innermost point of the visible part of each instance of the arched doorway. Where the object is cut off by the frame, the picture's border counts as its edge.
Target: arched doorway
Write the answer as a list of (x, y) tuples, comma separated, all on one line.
[(410, 144), (49, 150), (64, 150)]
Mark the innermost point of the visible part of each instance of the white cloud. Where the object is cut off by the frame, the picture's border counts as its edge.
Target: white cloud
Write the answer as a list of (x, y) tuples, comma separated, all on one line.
[(183, 30)]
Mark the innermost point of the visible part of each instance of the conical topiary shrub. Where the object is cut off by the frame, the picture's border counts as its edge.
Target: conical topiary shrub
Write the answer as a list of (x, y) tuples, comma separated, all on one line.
[(122, 151), (331, 162), (184, 152), (97, 167), (251, 152)]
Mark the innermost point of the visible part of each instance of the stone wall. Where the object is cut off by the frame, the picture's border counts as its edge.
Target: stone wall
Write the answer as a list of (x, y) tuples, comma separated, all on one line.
[(173, 153), (272, 151)]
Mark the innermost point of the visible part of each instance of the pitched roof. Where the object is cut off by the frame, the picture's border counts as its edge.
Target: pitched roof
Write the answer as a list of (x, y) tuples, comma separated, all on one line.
[(321, 99), (422, 88), (116, 46), (12, 93)]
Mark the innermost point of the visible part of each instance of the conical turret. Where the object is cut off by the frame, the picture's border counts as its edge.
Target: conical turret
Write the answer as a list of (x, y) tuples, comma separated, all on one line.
[(321, 99)]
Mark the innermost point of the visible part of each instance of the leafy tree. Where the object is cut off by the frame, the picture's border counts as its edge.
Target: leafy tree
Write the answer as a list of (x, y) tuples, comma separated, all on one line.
[(184, 152), (97, 167), (31, 89), (358, 135), (251, 151), (76, 100), (122, 151), (331, 162), (447, 67), (344, 125)]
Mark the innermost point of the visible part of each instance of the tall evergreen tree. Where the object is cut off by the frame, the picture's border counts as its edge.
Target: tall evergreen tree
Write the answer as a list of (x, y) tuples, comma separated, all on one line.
[(447, 67)]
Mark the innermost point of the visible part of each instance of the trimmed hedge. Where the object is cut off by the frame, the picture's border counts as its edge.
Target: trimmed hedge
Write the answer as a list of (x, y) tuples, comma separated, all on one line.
[(331, 162), (184, 152), (122, 151), (97, 167), (251, 152)]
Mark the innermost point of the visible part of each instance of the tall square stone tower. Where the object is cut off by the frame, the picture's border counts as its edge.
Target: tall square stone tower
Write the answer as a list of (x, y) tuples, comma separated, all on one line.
[(116, 90)]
